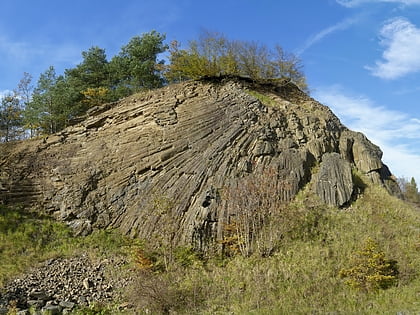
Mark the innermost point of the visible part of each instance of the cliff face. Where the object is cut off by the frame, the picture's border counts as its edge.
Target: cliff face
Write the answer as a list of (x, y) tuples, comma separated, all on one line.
[(164, 158)]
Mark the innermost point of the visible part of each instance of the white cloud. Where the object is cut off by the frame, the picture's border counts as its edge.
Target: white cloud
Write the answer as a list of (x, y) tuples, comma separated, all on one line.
[(396, 133), (325, 32), (355, 3), (4, 93), (401, 39)]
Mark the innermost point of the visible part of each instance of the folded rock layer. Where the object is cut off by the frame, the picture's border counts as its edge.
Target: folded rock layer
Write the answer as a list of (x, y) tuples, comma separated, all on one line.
[(159, 162)]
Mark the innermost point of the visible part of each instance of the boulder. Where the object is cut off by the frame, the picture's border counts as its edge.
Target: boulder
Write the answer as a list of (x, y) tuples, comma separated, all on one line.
[(334, 183)]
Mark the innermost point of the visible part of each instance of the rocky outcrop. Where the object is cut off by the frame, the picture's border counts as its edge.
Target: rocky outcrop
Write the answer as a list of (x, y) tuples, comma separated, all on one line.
[(334, 182), (158, 162)]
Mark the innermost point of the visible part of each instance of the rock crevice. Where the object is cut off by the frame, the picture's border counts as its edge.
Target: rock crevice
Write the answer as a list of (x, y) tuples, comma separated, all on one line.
[(154, 162)]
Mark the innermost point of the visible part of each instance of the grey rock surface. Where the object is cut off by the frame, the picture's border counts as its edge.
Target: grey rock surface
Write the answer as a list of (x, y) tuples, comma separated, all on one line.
[(334, 182), (146, 164)]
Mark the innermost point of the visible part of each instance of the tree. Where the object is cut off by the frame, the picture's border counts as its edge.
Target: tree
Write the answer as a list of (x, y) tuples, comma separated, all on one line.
[(56, 100), (136, 67), (87, 78), (49, 110), (213, 54), (410, 190), (24, 89), (24, 92), (288, 65), (95, 96), (10, 118)]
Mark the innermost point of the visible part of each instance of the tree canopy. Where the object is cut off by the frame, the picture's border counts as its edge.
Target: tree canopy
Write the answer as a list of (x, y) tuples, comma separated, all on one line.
[(10, 118), (214, 54), (409, 189), (57, 99)]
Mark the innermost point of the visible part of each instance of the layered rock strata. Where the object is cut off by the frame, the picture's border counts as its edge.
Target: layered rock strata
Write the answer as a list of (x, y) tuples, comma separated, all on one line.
[(158, 162)]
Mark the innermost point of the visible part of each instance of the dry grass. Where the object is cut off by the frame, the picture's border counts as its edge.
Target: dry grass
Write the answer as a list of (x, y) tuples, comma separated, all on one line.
[(300, 275)]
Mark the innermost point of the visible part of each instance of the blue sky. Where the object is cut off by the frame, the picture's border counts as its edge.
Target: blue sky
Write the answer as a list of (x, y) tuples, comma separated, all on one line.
[(361, 57)]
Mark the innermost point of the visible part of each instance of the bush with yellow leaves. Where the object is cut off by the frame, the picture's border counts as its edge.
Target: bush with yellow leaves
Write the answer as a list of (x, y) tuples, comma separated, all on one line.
[(370, 270)]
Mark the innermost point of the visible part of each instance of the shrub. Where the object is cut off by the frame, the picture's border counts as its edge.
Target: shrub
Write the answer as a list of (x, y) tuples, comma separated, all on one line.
[(260, 217), (213, 54), (370, 270)]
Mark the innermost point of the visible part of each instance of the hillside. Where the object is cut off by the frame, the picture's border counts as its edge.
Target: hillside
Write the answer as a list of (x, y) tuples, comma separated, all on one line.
[(237, 196), (165, 160)]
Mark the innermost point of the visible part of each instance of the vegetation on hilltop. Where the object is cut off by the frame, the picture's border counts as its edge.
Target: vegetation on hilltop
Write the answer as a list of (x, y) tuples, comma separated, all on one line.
[(213, 54), (58, 99)]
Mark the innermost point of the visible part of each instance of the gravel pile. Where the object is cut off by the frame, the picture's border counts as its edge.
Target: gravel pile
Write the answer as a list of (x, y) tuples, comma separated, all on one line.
[(59, 285)]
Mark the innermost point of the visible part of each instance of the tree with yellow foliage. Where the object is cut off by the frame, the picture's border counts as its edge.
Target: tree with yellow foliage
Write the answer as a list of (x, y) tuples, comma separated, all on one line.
[(369, 269), (213, 54), (95, 96)]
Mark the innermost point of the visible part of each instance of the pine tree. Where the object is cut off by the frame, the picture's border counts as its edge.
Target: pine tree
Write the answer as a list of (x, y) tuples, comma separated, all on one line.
[(49, 110), (137, 66)]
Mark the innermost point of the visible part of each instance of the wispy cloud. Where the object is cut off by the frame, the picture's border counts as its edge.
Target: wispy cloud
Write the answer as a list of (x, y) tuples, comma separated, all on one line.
[(355, 3), (397, 134), (13, 49), (401, 40), (325, 32), (30, 52)]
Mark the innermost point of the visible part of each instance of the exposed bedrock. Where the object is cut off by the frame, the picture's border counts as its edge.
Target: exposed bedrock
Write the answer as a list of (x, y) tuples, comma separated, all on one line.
[(158, 162)]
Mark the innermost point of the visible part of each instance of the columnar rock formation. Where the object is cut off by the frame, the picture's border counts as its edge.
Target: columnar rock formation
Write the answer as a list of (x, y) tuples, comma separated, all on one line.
[(158, 162)]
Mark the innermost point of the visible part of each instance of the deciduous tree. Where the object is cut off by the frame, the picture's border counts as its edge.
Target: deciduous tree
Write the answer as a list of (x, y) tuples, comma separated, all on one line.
[(410, 190), (213, 54), (10, 118)]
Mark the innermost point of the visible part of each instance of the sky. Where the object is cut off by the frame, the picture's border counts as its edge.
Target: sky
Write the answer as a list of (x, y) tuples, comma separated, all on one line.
[(361, 57)]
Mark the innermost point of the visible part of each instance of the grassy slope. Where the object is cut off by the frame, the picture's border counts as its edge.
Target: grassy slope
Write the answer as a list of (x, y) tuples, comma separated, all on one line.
[(27, 238), (301, 277)]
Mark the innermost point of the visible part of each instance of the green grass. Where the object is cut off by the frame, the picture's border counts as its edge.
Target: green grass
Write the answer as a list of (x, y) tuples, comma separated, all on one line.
[(27, 238), (302, 275), (266, 100)]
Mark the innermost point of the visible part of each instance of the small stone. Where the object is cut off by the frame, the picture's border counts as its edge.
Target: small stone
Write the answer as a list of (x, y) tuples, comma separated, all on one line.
[(67, 304), (52, 302), (39, 295), (86, 283), (82, 300), (125, 306)]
